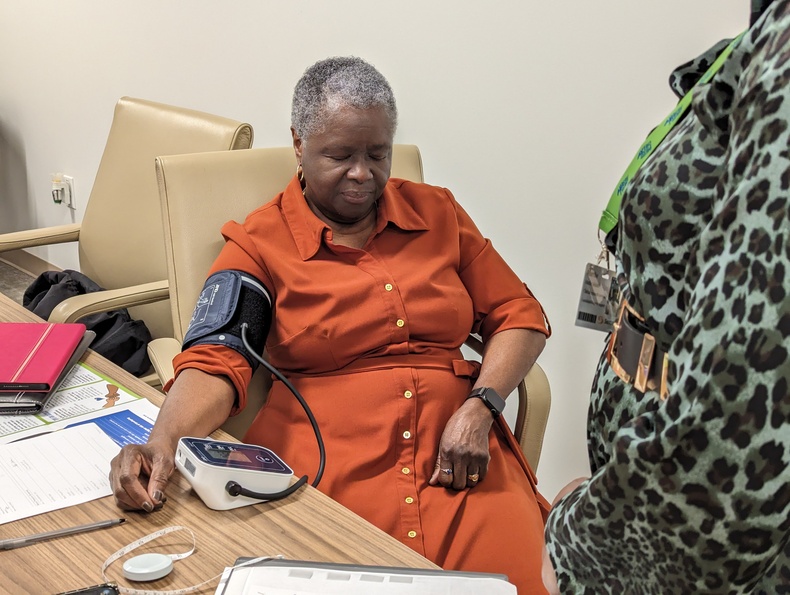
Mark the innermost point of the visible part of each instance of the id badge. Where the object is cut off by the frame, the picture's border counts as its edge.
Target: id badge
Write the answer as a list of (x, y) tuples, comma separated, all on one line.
[(599, 299)]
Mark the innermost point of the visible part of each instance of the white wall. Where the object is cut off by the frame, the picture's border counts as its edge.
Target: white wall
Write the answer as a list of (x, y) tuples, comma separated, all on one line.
[(528, 111)]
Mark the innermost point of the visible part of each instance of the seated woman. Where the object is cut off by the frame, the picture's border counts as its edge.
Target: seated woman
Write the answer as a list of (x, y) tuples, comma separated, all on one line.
[(362, 289)]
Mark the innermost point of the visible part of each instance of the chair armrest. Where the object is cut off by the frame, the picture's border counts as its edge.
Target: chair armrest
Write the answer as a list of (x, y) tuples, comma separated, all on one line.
[(58, 234), (161, 352), (474, 344), (534, 406), (74, 308)]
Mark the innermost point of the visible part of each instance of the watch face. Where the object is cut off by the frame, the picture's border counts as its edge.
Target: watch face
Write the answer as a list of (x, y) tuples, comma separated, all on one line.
[(491, 398), (494, 400)]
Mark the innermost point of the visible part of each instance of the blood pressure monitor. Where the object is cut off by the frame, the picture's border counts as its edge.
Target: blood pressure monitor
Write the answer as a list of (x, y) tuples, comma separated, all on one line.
[(217, 470)]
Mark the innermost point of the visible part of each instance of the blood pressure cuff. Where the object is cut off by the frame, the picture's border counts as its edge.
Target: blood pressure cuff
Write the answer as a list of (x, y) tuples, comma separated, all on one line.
[(230, 298)]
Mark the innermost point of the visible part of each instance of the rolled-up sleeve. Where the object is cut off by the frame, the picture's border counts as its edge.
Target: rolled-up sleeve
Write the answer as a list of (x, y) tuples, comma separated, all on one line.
[(501, 300)]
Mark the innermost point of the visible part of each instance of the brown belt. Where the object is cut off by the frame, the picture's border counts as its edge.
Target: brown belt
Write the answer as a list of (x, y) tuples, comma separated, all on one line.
[(633, 354)]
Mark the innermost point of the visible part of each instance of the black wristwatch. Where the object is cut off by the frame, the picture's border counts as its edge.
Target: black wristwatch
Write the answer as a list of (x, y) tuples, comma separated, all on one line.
[(491, 398)]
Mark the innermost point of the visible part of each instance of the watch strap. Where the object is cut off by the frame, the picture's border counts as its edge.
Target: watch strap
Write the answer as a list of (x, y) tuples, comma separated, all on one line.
[(491, 398)]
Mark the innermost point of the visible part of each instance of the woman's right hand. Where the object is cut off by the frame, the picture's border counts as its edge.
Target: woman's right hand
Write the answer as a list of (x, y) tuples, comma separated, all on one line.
[(139, 475), (196, 405)]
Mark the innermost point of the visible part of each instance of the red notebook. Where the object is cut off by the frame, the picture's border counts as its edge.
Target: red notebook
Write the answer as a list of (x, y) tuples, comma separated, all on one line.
[(33, 354)]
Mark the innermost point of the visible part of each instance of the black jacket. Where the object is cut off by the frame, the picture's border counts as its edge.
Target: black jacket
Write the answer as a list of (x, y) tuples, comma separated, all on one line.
[(119, 338)]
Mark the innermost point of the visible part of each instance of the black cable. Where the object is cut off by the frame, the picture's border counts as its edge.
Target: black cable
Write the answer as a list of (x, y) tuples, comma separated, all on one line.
[(232, 487)]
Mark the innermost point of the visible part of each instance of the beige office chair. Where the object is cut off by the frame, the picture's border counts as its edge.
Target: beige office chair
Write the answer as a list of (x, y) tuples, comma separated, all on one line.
[(120, 237), (230, 186)]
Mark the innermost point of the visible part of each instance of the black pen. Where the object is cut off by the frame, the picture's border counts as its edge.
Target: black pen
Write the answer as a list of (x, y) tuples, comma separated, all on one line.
[(10, 544)]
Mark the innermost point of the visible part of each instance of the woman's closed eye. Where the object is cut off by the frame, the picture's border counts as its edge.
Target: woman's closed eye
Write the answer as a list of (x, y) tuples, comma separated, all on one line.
[(343, 157)]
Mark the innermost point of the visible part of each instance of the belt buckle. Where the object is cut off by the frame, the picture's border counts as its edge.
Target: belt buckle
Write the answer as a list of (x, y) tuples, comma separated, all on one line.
[(645, 359), (663, 391), (641, 379), (611, 355)]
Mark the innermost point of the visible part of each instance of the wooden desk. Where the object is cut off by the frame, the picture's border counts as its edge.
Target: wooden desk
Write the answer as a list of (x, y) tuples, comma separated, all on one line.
[(306, 526)]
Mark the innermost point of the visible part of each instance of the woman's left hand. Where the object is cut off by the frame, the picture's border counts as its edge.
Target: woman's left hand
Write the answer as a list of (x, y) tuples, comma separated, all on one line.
[(463, 450)]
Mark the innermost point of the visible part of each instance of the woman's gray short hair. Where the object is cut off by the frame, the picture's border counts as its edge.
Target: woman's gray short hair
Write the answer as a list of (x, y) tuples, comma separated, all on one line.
[(339, 81)]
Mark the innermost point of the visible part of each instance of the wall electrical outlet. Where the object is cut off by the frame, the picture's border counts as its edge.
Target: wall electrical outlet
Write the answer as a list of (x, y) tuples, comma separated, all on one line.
[(63, 190)]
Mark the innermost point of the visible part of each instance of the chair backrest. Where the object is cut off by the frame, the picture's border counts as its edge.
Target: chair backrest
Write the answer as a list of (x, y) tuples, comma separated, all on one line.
[(121, 237), (199, 193)]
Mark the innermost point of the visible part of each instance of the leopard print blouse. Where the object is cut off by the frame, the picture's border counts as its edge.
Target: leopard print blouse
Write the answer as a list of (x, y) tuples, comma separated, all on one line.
[(692, 494)]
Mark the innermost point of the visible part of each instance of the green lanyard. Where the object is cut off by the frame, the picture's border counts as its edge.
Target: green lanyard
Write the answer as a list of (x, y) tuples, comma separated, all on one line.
[(609, 216)]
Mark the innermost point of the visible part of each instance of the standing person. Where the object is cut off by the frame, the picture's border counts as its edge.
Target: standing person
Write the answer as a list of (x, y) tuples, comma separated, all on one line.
[(690, 486), (363, 289)]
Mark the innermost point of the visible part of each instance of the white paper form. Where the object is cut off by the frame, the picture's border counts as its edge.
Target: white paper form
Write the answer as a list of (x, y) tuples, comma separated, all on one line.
[(54, 471), (84, 394)]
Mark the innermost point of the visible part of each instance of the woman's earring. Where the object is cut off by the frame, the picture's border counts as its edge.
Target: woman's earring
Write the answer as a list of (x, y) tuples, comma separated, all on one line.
[(299, 173)]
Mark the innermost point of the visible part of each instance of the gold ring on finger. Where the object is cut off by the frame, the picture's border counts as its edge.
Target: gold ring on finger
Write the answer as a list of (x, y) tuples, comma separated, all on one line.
[(473, 477)]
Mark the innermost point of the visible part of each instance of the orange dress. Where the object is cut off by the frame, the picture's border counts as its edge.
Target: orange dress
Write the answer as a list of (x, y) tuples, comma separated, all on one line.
[(371, 338)]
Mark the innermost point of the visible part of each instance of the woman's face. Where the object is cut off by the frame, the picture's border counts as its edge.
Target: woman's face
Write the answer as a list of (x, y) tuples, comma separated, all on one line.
[(347, 164)]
